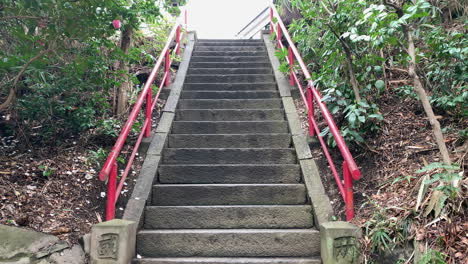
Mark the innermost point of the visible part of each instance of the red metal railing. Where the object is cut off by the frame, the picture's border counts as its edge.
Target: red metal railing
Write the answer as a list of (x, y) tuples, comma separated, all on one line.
[(311, 97), (110, 170)]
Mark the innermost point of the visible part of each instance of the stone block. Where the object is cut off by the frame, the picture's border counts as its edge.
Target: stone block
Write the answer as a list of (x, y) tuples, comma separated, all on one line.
[(157, 144), (339, 243), (113, 242), (145, 143), (165, 123), (302, 148)]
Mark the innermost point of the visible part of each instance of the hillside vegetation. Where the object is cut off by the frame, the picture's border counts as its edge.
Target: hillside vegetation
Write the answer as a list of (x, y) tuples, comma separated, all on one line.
[(394, 74)]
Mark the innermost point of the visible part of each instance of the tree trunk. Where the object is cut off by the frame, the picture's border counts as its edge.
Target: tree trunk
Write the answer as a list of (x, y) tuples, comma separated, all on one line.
[(12, 94), (419, 89), (352, 75), (126, 86)]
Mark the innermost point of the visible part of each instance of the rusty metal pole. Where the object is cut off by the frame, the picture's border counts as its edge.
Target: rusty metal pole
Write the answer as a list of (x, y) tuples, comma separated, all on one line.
[(348, 186), (310, 112), (111, 188), (278, 35), (149, 113), (291, 65), (167, 68)]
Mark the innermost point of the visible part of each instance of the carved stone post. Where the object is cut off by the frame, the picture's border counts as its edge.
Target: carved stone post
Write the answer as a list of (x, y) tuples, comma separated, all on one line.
[(339, 243), (113, 242)]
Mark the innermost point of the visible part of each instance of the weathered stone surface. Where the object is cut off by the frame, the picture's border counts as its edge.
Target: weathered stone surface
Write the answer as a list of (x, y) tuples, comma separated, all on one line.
[(204, 78), (255, 64), (256, 94), (339, 243), (302, 148), (230, 115), (230, 104), (16, 242), (201, 260), (230, 141), (323, 211), (294, 124), (229, 127), (229, 86), (234, 48), (74, 255), (21, 246), (264, 70), (228, 194), (230, 58), (165, 123), (229, 242), (234, 216), (230, 173), (113, 242), (289, 106), (157, 144), (228, 156)]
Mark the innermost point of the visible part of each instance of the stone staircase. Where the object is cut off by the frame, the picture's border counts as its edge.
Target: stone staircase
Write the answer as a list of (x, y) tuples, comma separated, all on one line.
[(229, 187)]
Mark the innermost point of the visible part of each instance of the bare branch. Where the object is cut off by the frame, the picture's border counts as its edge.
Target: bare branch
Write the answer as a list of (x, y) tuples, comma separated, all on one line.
[(14, 86), (20, 17)]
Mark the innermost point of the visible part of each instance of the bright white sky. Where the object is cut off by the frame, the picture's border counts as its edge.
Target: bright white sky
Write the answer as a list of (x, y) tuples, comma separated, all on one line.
[(222, 19)]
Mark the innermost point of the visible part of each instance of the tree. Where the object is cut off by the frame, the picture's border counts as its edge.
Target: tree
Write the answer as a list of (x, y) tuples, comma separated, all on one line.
[(408, 19)]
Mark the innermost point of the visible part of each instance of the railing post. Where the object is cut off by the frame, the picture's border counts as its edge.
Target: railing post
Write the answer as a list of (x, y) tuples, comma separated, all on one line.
[(178, 40), (291, 65), (348, 186), (167, 68), (278, 39), (149, 114), (186, 21), (271, 21), (111, 188), (310, 112)]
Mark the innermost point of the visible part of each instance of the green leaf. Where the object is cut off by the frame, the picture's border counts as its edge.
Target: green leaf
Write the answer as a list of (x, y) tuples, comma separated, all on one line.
[(352, 118), (379, 84)]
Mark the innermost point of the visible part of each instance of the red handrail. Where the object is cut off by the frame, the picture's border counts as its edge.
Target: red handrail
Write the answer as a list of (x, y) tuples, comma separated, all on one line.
[(350, 169), (109, 170)]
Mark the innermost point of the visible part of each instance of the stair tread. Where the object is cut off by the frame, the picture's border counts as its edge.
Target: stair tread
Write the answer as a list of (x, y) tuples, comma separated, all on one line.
[(233, 260), (228, 231), (228, 217)]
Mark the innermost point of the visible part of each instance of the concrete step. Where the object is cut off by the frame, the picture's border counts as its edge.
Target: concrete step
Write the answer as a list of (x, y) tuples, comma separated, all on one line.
[(231, 260), (230, 40), (230, 104), (228, 156), (228, 216), (228, 194), (265, 64), (229, 140), (228, 43), (230, 86), (262, 94), (229, 78), (231, 48), (229, 173), (230, 53), (229, 127), (265, 70), (229, 243), (261, 59), (229, 115)]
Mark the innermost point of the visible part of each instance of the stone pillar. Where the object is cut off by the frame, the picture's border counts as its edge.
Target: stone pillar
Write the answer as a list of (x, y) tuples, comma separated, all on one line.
[(113, 242), (339, 243)]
